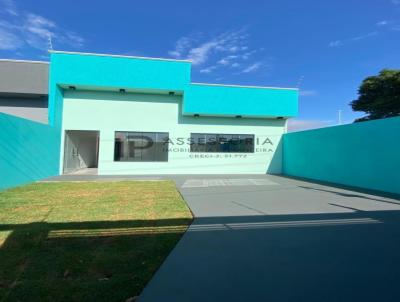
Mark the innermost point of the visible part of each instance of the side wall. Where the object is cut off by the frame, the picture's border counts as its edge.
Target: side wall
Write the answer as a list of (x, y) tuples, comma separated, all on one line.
[(108, 112), (28, 151), (32, 107), (365, 155)]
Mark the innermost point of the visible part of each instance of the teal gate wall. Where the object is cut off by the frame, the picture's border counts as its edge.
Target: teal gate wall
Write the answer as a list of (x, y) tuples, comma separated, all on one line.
[(365, 155), (28, 151)]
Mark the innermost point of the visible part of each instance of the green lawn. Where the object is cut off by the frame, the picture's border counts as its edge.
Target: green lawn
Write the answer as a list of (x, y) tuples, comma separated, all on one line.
[(86, 241)]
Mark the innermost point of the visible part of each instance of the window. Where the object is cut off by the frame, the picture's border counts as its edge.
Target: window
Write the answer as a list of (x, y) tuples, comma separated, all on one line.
[(141, 146), (224, 143)]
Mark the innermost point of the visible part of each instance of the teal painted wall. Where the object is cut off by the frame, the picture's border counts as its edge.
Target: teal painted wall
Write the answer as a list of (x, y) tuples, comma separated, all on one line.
[(365, 155), (99, 71), (154, 76), (120, 72), (237, 100), (108, 112), (109, 72), (28, 151)]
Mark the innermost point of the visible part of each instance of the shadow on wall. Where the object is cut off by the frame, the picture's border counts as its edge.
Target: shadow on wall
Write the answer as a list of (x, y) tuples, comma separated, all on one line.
[(275, 166), (29, 151)]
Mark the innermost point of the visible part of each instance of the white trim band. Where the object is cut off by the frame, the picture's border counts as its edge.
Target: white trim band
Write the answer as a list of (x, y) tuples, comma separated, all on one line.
[(243, 86), (116, 56), (23, 61)]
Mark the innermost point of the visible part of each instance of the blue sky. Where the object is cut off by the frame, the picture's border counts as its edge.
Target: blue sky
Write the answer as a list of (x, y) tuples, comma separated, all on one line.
[(327, 47)]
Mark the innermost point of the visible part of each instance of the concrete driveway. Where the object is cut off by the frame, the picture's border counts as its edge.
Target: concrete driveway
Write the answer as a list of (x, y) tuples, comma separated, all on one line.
[(268, 238)]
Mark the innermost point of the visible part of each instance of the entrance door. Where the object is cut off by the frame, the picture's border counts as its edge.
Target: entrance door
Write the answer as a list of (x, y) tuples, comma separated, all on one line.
[(81, 149)]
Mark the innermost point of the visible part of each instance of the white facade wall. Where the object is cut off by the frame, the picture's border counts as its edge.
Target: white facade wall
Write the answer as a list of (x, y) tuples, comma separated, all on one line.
[(108, 112)]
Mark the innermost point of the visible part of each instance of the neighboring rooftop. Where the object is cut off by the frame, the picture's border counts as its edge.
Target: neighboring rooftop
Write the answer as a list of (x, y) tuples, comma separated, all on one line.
[(24, 77)]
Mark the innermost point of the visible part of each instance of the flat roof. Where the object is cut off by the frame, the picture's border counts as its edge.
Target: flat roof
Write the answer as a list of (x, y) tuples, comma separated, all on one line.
[(117, 56), (171, 60)]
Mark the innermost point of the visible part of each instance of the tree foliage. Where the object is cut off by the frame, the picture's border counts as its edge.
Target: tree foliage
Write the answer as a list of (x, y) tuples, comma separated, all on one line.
[(379, 96)]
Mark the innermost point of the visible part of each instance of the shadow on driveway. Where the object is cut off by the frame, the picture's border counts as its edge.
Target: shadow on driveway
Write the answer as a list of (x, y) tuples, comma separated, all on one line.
[(292, 241), (320, 257)]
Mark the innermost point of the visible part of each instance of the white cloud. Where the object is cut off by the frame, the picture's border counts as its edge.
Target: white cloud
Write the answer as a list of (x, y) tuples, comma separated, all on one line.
[(389, 24), (395, 28), (9, 41), (308, 92), (39, 25), (228, 50), (26, 29), (180, 47), (335, 43), (383, 25), (74, 39), (362, 37), (199, 55), (298, 125), (9, 7), (251, 68), (208, 69), (223, 61), (247, 55), (200, 52)]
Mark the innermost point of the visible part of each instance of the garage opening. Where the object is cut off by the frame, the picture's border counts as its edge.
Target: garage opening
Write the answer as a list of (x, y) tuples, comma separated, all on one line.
[(81, 152)]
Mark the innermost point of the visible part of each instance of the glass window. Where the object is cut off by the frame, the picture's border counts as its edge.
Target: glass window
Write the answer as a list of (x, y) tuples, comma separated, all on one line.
[(246, 143), (198, 142), (235, 143), (211, 141), (222, 143), (141, 146)]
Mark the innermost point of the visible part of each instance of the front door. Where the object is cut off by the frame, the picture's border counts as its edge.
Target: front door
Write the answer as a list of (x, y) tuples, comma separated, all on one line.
[(81, 150)]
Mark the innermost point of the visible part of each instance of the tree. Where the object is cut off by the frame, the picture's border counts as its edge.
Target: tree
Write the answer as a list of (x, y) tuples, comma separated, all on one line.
[(379, 96)]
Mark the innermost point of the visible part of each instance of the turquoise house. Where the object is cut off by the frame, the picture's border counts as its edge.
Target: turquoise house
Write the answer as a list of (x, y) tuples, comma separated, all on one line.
[(120, 115), (117, 115)]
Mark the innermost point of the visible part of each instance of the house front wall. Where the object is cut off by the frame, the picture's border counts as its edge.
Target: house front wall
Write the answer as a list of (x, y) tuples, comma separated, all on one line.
[(108, 112)]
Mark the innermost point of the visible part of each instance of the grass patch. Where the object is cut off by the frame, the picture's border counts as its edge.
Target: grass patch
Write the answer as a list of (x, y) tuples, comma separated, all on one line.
[(86, 241)]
